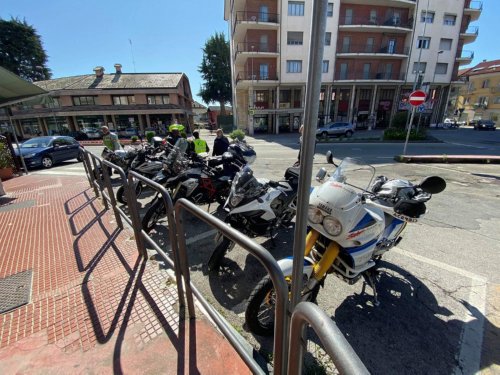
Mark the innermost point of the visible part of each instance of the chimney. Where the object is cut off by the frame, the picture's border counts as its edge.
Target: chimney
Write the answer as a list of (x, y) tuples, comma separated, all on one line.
[(99, 71), (118, 68)]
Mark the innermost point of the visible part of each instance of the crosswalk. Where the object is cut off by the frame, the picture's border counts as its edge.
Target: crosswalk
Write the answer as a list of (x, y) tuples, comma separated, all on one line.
[(66, 170)]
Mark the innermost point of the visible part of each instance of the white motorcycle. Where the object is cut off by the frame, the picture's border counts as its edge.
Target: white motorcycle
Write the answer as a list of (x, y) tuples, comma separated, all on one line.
[(256, 208), (353, 219)]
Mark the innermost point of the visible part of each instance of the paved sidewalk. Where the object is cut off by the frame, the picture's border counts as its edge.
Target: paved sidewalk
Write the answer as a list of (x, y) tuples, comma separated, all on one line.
[(96, 306)]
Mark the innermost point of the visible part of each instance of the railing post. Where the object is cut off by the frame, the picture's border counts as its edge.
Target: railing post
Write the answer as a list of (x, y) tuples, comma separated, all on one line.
[(134, 215), (111, 194)]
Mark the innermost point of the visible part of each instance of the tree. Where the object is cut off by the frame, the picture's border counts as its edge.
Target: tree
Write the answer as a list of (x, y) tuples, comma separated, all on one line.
[(216, 72), (21, 50)]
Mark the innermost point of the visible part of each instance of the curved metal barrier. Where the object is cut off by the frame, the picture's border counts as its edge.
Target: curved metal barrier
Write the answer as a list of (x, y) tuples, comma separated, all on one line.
[(340, 351)]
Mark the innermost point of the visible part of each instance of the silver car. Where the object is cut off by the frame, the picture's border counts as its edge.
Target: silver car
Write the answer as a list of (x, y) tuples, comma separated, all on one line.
[(335, 129)]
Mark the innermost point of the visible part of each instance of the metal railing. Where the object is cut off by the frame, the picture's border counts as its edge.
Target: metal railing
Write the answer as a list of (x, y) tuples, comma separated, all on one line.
[(390, 21), (259, 17), (369, 48), (361, 75), (256, 76), (257, 47)]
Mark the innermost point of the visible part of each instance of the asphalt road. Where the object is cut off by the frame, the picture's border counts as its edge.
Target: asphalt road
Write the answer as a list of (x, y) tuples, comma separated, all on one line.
[(440, 289)]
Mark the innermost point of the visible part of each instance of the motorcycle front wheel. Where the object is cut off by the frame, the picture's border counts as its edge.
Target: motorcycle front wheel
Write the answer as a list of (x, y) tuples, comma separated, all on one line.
[(153, 215), (218, 254), (121, 196), (260, 312)]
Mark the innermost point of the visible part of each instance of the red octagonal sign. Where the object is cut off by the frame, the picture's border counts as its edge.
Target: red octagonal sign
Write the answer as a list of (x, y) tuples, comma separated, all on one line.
[(417, 97)]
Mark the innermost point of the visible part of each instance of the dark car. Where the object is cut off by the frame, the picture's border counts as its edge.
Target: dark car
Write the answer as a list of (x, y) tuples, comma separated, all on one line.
[(47, 151), (336, 129), (78, 135), (484, 125)]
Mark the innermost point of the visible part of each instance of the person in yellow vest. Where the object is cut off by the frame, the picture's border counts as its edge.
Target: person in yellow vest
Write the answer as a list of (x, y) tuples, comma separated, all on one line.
[(110, 140), (199, 145)]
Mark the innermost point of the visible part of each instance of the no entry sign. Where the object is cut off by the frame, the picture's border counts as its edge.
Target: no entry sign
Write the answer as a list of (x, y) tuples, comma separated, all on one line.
[(416, 98)]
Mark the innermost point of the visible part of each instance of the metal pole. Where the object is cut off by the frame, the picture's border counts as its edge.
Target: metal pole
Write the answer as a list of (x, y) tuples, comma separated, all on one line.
[(409, 128), (17, 144), (313, 88)]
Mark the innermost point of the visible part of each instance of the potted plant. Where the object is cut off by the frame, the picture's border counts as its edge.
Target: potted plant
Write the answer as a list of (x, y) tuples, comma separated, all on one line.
[(6, 162)]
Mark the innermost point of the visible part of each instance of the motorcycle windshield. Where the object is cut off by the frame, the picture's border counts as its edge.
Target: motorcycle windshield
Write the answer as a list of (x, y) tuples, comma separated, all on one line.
[(245, 184), (354, 173)]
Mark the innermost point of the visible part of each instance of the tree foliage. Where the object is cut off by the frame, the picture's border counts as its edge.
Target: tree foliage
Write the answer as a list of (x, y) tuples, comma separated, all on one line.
[(215, 70), (21, 50)]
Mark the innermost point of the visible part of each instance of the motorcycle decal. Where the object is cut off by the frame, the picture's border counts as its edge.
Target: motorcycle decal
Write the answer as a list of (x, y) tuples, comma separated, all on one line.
[(352, 250), (207, 184), (355, 234), (307, 262), (365, 222), (325, 208)]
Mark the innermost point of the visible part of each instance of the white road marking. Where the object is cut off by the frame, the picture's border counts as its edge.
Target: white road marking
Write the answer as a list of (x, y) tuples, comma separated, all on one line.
[(471, 340)]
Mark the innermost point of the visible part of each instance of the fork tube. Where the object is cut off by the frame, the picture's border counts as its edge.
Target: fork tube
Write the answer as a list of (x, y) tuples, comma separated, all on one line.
[(311, 239), (326, 261)]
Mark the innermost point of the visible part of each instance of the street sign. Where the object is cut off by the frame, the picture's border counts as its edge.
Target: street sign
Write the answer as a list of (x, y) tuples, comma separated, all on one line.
[(421, 108), (417, 97)]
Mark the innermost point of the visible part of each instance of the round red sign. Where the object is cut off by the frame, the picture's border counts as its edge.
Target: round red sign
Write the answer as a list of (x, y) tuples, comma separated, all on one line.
[(416, 98)]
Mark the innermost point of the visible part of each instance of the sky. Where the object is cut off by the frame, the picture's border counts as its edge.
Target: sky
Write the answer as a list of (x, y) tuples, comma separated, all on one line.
[(166, 35)]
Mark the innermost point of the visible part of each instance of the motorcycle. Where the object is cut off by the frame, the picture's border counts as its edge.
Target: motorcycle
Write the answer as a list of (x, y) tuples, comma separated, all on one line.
[(353, 222), (256, 207)]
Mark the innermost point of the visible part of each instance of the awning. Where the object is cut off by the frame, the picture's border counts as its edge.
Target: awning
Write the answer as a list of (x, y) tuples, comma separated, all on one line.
[(14, 89)]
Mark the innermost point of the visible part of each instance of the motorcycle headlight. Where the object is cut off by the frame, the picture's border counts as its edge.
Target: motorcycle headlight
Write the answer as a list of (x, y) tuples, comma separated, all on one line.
[(235, 200), (314, 215), (332, 225)]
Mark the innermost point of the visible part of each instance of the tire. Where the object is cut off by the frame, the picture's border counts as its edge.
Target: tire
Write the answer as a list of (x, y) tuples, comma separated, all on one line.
[(47, 162), (121, 196), (348, 134), (153, 215), (222, 196), (80, 157), (324, 135), (218, 254), (263, 294)]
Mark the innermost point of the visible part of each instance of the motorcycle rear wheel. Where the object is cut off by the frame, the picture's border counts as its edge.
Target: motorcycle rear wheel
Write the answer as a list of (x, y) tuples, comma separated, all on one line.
[(260, 311), (121, 196), (153, 215), (218, 254)]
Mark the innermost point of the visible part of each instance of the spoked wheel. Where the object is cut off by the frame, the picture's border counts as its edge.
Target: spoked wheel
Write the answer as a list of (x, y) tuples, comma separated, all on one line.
[(153, 215), (217, 256), (47, 162), (260, 312), (121, 196)]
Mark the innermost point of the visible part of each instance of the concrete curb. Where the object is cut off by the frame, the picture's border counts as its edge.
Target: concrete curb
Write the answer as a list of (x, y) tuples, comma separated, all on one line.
[(481, 159)]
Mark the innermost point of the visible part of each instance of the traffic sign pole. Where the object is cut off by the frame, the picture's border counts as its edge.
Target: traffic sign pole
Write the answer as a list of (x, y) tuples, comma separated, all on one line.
[(409, 128)]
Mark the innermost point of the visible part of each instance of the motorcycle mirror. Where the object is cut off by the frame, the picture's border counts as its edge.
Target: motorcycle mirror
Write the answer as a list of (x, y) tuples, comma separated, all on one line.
[(329, 157), (433, 184), (320, 176)]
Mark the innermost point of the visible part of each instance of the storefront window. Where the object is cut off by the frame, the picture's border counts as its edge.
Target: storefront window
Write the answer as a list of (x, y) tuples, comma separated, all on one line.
[(284, 124), (90, 121), (31, 128), (260, 124), (57, 125)]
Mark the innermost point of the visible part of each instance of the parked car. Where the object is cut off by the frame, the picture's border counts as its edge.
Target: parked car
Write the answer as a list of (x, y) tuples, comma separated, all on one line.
[(484, 125), (92, 133), (129, 132), (449, 123), (78, 135), (335, 129), (47, 151)]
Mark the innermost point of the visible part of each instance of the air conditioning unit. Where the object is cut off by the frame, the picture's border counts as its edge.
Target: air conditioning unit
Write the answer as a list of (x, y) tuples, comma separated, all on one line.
[(284, 105)]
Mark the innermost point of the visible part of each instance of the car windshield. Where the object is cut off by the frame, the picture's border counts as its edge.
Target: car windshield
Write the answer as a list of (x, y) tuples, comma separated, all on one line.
[(355, 173), (37, 142)]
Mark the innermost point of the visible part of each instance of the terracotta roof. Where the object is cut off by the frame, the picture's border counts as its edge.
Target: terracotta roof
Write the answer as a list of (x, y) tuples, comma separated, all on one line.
[(484, 67), (113, 81)]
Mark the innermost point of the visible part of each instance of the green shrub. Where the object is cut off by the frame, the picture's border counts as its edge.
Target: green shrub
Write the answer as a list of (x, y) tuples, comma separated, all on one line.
[(149, 135), (134, 138), (393, 134), (6, 160), (237, 134)]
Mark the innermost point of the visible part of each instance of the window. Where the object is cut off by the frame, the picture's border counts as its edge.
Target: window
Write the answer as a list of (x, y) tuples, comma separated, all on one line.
[(329, 10), (328, 38), (294, 66), (346, 44), (445, 44), (84, 100), (441, 68), (295, 38), (366, 70), (427, 17), (449, 20), (295, 8), (343, 71), (423, 42), (123, 100), (348, 16), (419, 69), (261, 96), (369, 44), (497, 100), (158, 99), (373, 16), (485, 84), (326, 64)]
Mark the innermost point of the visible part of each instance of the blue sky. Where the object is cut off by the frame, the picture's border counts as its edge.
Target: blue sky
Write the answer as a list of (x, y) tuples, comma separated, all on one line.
[(166, 35)]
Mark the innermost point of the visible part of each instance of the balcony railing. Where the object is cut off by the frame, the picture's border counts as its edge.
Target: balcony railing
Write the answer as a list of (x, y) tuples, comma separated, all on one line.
[(257, 47), (368, 48), (245, 16), (364, 76), (474, 5), (256, 76), (467, 55), (391, 21), (474, 30)]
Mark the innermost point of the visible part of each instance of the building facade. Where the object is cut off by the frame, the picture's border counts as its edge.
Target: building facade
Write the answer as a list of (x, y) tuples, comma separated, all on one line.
[(127, 103), (376, 53)]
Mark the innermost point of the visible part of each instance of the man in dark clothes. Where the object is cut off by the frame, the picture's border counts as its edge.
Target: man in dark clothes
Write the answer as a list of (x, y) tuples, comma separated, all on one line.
[(221, 143), (173, 137)]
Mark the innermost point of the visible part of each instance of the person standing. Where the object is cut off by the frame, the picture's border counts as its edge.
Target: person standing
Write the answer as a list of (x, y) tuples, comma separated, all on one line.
[(200, 145), (221, 143), (110, 140), (174, 136)]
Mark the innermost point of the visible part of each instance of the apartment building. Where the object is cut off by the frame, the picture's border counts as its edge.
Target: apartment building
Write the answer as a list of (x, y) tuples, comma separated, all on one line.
[(126, 102), (375, 54), (478, 97)]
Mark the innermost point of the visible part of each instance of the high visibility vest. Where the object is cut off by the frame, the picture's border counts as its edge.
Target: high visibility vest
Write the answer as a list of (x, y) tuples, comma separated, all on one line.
[(200, 146)]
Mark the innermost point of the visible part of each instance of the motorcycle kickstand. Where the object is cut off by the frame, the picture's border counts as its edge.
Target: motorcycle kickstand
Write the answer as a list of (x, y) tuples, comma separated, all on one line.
[(368, 276)]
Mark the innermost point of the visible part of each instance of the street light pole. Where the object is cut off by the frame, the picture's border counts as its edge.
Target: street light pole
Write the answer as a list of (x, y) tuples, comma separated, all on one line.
[(435, 88)]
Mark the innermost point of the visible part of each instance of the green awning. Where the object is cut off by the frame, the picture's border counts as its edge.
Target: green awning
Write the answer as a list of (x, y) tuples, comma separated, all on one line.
[(14, 89)]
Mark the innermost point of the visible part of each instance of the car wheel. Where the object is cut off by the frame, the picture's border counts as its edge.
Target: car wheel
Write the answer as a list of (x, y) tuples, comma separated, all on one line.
[(324, 135), (348, 134), (80, 157), (47, 162)]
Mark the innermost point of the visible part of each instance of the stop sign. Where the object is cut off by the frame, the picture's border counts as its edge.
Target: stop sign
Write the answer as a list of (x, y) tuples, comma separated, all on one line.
[(416, 98)]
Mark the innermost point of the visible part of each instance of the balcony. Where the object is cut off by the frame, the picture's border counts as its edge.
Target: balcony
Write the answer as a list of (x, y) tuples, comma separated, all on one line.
[(393, 24), (473, 9), (249, 77), (385, 3), (470, 34), (465, 57), (254, 49), (364, 50), (245, 20), (368, 76)]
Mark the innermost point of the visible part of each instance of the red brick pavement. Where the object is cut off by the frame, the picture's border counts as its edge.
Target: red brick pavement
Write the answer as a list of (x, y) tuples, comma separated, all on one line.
[(95, 304)]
